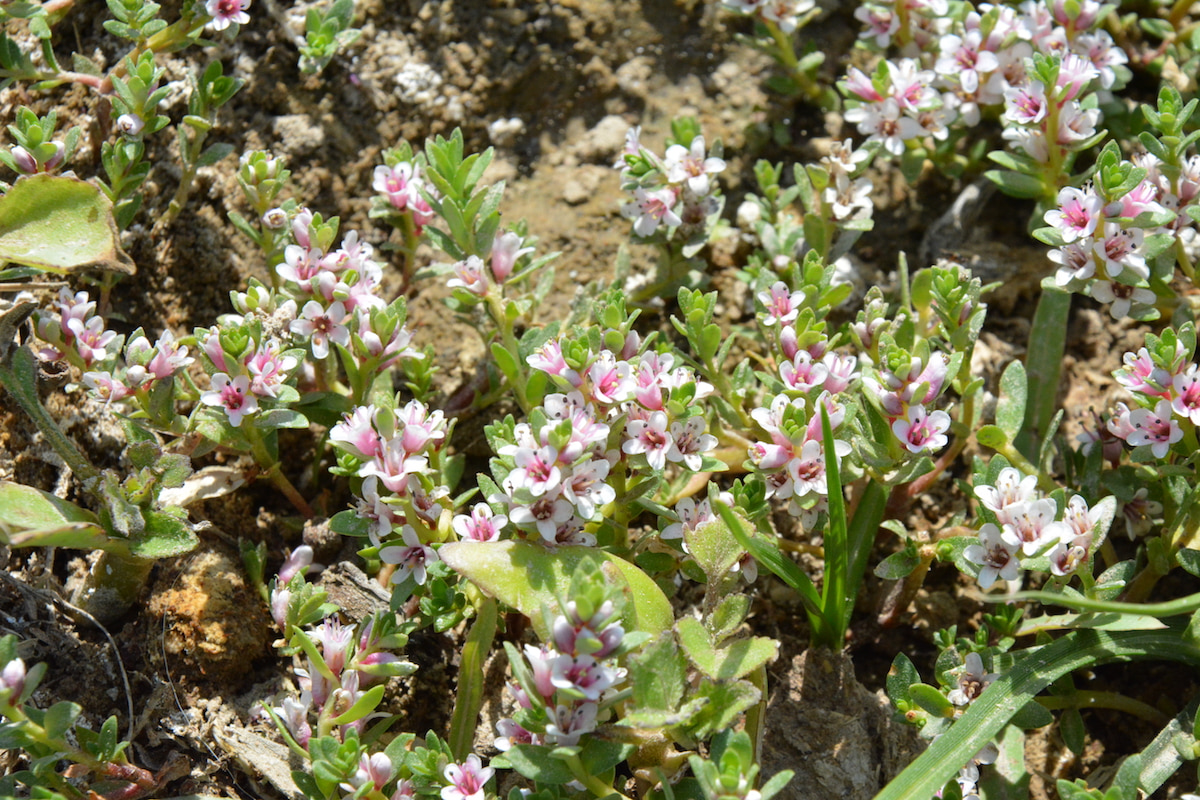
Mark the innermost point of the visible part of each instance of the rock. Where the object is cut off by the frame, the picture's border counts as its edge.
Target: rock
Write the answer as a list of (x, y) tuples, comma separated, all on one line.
[(298, 135), (601, 144), (837, 737), (574, 193)]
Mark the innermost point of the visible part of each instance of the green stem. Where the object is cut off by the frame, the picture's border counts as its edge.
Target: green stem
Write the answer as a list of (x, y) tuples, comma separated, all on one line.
[(112, 585), (469, 699), (273, 472), (988, 715), (1172, 608), (1113, 700)]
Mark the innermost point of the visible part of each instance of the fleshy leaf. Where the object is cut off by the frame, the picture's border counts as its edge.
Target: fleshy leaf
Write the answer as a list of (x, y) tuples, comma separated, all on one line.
[(530, 577), (33, 518), (60, 224)]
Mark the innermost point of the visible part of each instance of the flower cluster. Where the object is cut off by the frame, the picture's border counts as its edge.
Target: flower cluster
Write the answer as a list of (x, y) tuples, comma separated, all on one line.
[(554, 470), (561, 688), (1165, 384), (74, 332), (787, 15), (400, 185), (473, 279), (907, 396), (334, 678), (675, 191), (391, 450), (959, 67), (1026, 525), (1108, 241)]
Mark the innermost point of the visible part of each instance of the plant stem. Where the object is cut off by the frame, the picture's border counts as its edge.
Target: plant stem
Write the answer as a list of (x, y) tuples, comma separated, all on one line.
[(1113, 700)]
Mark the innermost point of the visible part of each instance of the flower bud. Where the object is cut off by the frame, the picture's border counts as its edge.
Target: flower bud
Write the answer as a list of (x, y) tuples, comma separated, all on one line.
[(12, 678), (275, 219), (130, 124), (56, 160), (24, 161)]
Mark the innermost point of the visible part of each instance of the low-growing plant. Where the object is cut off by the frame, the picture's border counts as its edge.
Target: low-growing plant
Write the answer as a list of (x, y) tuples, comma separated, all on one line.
[(647, 452)]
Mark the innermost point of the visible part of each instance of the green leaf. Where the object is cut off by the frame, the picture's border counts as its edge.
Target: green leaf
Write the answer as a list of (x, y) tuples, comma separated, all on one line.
[(991, 436), (164, 536), (724, 702), (1032, 673), (62, 225), (726, 663), (900, 678), (1073, 732), (1032, 715), (658, 675), (599, 755), (1010, 408), (898, 565), (529, 577), (1014, 184), (770, 556), (535, 762), (59, 718), (281, 418), (23, 508), (930, 699)]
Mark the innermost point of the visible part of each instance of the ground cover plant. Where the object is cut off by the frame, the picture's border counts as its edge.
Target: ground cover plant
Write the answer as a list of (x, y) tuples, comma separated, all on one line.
[(871, 352)]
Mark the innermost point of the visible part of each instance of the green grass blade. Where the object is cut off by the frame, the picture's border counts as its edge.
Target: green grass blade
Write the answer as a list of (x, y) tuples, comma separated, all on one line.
[(837, 599), (988, 715)]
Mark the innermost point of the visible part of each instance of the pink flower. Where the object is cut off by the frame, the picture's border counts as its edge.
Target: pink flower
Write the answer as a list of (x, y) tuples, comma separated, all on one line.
[(226, 12), (268, 369), (1074, 73), (689, 166), (335, 640), (107, 386), (1032, 525), (1122, 296), (689, 442), (860, 85), (1156, 428), (418, 427), (394, 183), (1012, 489), (506, 249), (1077, 214), (411, 558), (650, 438), (233, 395), (996, 553), (482, 525), (466, 781), (322, 325), (1119, 249), (469, 275), (1025, 105), (1186, 402), (356, 434), (537, 471), (650, 208), (1076, 262), (549, 359), (12, 679), (921, 431), (780, 304)]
